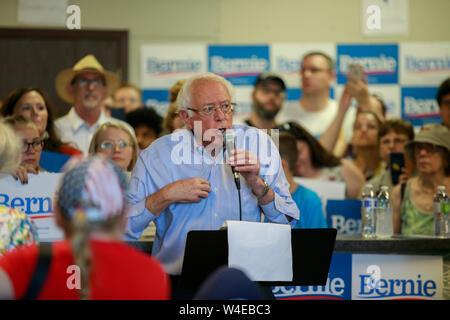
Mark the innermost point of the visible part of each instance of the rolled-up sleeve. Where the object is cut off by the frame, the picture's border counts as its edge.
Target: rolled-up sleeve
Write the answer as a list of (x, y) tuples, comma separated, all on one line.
[(277, 210), (282, 205)]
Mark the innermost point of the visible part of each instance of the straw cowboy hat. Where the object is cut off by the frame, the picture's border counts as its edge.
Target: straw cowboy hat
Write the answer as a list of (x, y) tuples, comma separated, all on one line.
[(87, 64)]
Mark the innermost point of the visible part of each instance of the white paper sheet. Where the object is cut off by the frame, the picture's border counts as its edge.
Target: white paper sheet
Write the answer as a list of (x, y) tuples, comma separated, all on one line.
[(45, 12), (384, 17), (35, 199), (325, 189), (263, 251)]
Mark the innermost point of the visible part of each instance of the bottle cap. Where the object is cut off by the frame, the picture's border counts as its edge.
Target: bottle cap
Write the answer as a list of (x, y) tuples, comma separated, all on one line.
[(384, 188), (441, 188)]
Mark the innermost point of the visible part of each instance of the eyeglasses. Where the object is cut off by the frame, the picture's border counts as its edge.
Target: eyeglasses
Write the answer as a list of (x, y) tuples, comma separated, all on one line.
[(111, 145), (428, 147), (86, 82), (37, 145), (209, 110)]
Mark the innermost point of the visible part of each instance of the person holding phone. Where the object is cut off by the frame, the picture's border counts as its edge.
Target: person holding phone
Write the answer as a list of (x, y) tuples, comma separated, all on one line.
[(337, 136), (392, 137), (316, 110)]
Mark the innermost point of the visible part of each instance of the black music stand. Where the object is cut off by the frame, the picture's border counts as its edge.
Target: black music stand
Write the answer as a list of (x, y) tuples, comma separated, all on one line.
[(311, 256)]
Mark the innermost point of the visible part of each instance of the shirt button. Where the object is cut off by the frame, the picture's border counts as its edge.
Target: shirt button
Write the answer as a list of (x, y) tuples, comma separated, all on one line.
[(215, 189), (215, 215)]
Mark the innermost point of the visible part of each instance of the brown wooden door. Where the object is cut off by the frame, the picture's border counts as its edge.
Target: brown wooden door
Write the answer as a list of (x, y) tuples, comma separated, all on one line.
[(33, 57)]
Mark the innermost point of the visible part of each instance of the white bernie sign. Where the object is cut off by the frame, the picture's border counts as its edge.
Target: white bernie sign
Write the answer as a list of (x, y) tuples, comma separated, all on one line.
[(35, 199)]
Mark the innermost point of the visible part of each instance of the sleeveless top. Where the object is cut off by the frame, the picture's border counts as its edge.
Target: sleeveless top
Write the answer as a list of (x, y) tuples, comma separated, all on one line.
[(414, 220)]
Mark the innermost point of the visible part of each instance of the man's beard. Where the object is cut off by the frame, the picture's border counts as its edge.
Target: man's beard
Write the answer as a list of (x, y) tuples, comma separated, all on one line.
[(263, 113), (91, 104)]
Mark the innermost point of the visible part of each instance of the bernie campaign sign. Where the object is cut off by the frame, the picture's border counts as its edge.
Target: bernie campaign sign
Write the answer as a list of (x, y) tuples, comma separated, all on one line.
[(374, 277), (35, 199), (238, 64)]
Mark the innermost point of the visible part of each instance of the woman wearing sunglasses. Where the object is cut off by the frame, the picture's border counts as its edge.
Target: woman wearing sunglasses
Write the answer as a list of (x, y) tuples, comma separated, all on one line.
[(413, 203)]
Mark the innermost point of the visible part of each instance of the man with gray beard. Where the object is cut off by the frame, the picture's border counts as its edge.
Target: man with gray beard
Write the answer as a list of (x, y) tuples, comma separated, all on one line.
[(267, 99), (85, 86)]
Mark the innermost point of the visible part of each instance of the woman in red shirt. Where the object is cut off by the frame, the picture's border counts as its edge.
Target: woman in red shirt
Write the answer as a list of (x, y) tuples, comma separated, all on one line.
[(92, 262)]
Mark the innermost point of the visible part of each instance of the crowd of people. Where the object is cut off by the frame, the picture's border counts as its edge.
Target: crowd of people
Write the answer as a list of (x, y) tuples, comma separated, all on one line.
[(142, 172)]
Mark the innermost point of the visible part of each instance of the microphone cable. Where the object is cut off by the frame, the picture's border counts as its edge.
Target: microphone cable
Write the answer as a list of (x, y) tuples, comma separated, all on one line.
[(238, 187)]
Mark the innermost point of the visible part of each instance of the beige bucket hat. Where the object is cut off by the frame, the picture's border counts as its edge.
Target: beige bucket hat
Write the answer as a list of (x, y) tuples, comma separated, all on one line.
[(433, 133), (87, 64)]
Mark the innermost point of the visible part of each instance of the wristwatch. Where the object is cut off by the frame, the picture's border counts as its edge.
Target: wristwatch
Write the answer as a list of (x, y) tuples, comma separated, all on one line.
[(266, 189)]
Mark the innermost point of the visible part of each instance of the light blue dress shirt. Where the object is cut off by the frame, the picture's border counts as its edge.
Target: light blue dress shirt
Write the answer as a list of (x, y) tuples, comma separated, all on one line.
[(178, 156)]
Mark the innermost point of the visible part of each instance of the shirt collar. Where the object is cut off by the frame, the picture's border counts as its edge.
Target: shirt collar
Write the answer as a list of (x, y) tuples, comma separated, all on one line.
[(200, 150), (77, 122)]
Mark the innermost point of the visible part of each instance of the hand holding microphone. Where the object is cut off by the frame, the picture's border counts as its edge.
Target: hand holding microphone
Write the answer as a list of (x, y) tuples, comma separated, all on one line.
[(246, 163), (242, 161)]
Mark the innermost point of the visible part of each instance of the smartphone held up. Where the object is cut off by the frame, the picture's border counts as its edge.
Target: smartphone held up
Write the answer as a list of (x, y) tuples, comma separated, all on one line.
[(356, 71)]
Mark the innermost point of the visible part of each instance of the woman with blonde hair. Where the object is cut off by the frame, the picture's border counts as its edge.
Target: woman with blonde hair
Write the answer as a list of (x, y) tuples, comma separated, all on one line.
[(32, 145), (115, 141), (172, 120), (16, 228), (91, 208)]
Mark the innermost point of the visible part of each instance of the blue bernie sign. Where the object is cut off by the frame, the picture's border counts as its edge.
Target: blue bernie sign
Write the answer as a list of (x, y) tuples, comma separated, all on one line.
[(345, 216), (338, 286), (158, 99), (239, 64), (419, 105), (380, 62)]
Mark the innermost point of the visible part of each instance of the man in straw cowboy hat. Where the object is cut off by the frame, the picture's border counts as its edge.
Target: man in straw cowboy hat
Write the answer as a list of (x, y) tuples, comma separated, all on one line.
[(85, 86)]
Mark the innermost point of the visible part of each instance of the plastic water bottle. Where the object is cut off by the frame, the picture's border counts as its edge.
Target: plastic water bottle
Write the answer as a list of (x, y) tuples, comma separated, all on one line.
[(368, 212), (441, 213), (384, 227)]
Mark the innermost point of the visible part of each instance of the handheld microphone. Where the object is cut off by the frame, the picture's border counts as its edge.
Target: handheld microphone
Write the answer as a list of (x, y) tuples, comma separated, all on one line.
[(229, 143)]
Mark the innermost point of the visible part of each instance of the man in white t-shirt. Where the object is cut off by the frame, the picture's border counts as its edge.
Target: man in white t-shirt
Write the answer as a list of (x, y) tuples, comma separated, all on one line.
[(316, 110), (85, 86)]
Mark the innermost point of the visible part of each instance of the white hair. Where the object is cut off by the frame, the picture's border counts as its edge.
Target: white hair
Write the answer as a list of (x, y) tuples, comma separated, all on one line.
[(10, 149), (184, 96)]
